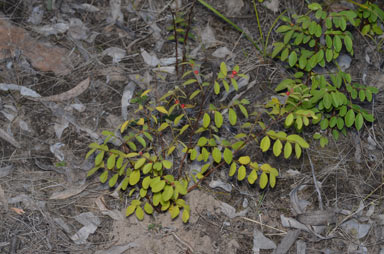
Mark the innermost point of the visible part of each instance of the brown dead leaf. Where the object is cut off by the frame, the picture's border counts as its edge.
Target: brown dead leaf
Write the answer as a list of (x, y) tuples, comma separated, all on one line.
[(74, 92), (70, 192), (17, 210), (42, 56)]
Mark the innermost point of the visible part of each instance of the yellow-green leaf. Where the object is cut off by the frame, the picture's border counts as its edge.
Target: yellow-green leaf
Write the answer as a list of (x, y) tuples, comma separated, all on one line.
[(232, 116), (206, 120), (228, 156), (158, 186), (233, 169), (298, 140), (202, 141), (148, 208), (99, 158), (263, 180), (189, 81), (244, 160), (162, 109), (349, 118), (216, 87), (272, 180), (167, 164), (113, 180), (163, 126), (185, 127), (147, 168), (218, 119), (134, 177), (223, 69), (174, 210), (265, 144), (298, 151), (167, 193), (146, 181), (111, 161), (241, 173), (130, 210), (141, 140), (277, 147), (124, 126), (243, 110), (139, 213), (252, 177), (143, 192), (145, 92), (359, 121), (287, 150), (216, 154), (185, 216), (289, 120), (140, 162), (141, 121), (177, 119), (124, 183)]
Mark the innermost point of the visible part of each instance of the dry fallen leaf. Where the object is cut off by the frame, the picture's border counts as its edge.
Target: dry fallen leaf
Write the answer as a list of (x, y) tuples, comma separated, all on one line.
[(17, 210), (42, 56), (74, 92), (68, 192)]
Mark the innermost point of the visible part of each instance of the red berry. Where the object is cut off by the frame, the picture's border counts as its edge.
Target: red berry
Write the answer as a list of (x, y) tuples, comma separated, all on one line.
[(140, 153), (196, 72), (234, 73), (288, 93), (182, 105), (232, 76), (177, 101)]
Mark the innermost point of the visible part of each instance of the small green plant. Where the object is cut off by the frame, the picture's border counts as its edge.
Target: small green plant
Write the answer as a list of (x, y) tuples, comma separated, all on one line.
[(189, 123), (179, 29), (183, 120), (307, 43)]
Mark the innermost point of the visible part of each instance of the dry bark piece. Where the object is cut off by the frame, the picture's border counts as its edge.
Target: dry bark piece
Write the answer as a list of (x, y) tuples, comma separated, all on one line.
[(70, 94), (42, 56), (318, 217)]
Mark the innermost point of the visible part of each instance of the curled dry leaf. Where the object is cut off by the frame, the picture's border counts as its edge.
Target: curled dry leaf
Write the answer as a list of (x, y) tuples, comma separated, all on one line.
[(74, 92)]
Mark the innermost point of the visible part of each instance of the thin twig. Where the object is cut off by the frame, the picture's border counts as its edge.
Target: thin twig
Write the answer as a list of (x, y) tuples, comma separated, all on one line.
[(264, 225), (315, 182)]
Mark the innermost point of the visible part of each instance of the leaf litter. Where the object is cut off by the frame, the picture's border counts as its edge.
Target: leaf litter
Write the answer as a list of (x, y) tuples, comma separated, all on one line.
[(63, 119)]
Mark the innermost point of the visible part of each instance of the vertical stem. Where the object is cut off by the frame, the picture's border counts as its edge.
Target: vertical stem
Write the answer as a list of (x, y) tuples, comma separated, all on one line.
[(174, 30)]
